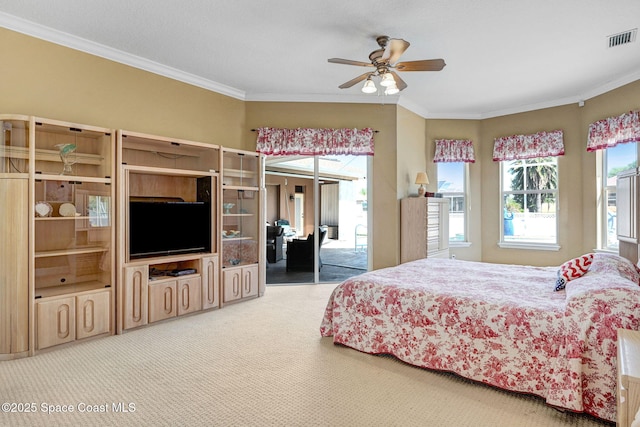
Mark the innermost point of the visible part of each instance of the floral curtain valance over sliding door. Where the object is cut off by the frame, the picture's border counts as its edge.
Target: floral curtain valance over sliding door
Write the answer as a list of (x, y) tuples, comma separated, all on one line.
[(609, 132), (314, 142)]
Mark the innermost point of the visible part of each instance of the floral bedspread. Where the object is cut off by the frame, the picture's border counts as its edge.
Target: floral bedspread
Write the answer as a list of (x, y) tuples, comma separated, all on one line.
[(503, 325)]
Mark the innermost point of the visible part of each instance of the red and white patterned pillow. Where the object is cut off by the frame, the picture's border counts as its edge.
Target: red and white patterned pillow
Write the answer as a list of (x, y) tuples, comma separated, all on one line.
[(573, 269)]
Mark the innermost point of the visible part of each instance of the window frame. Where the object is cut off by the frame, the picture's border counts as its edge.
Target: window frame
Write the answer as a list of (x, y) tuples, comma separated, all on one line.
[(529, 244), (603, 192), (465, 195)]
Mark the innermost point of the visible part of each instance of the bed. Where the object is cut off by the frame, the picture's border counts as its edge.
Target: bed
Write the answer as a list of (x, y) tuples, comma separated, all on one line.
[(502, 325)]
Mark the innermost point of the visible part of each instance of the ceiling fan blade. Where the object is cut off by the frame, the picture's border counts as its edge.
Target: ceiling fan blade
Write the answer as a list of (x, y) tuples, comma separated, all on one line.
[(399, 82), (354, 81), (394, 49), (424, 65), (349, 62)]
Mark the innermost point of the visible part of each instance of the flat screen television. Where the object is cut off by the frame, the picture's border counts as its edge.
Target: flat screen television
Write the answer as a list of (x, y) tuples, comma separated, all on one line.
[(168, 228)]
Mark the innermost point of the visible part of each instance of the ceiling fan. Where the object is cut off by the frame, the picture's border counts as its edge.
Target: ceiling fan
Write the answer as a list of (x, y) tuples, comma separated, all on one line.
[(385, 60)]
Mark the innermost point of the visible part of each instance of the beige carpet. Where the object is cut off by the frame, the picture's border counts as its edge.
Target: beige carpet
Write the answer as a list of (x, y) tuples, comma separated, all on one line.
[(257, 363)]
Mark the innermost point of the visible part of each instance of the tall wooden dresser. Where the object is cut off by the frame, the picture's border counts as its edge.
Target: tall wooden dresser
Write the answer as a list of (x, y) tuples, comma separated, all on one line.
[(424, 228)]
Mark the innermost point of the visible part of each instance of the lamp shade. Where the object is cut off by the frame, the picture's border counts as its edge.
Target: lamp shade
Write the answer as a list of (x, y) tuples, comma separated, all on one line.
[(387, 80), (422, 178), (369, 86), (391, 90)]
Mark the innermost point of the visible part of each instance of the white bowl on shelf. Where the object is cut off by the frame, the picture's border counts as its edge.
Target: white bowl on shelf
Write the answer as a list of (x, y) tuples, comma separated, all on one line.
[(230, 233)]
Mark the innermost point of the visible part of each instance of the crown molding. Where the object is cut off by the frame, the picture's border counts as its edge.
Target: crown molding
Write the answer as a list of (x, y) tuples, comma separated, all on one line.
[(350, 99), (32, 29), (77, 43)]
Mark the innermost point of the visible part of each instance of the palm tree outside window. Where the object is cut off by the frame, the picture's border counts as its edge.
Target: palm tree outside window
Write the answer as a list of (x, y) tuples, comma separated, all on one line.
[(529, 196)]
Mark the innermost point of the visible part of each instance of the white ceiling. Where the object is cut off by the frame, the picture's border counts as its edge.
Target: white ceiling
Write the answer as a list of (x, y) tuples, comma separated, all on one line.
[(503, 56)]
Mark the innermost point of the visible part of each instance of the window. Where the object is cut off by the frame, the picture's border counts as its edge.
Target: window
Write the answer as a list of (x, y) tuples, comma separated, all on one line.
[(529, 201), (615, 160), (451, 184)]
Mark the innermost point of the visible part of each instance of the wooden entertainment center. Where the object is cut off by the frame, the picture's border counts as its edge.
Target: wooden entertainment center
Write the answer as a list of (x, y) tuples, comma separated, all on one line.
[(76, 260)]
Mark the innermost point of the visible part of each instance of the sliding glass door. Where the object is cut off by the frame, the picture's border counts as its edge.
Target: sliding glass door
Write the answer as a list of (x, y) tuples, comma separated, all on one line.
[(317, 225)]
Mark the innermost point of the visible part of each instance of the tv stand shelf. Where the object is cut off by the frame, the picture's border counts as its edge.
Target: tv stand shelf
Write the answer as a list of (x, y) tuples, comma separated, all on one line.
[(158, 175)]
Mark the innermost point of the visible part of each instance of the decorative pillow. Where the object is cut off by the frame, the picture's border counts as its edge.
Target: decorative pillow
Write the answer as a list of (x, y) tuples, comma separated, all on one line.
[(611, 263), (573, 269)]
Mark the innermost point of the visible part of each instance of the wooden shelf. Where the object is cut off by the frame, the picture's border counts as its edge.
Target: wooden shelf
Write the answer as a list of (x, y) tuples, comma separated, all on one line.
[(168, 171), (166, 259), (60, 218), (71, 178), (239, 173), (49, 155), (16, 152), (74, 288), (54, 156), (227, 265), (240, 187), (73, 251)]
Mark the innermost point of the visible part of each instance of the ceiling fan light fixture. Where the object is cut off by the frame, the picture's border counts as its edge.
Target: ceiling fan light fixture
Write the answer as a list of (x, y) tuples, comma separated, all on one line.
[(387, 80), (391, 90), (369, 86)]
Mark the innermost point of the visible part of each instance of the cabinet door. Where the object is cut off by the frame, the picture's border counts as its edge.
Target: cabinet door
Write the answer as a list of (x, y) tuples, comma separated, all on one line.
[(55, 322), (14, 265), (210, 282), (134, 298), (189, 295), (162, 300), (249, 281), (93, 314), (232, 284)]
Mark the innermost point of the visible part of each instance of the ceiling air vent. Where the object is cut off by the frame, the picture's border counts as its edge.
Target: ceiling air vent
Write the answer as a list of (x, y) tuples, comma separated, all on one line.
[(623, 38)]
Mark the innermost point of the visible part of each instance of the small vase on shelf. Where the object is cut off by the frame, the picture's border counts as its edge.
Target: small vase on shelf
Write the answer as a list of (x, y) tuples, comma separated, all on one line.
[(68, 157)]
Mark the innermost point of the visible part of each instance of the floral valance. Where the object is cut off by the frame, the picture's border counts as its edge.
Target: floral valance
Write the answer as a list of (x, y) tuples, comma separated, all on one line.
[(541, 144), (314, 142), (454, 150), (612, 131)]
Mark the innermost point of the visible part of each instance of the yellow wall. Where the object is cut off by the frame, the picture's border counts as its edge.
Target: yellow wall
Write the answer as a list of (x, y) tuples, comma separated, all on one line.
[(43, 79), (412, 153), (47, 80)]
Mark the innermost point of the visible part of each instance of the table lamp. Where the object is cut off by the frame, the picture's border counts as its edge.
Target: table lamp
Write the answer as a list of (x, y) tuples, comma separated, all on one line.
[(421, 179)]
